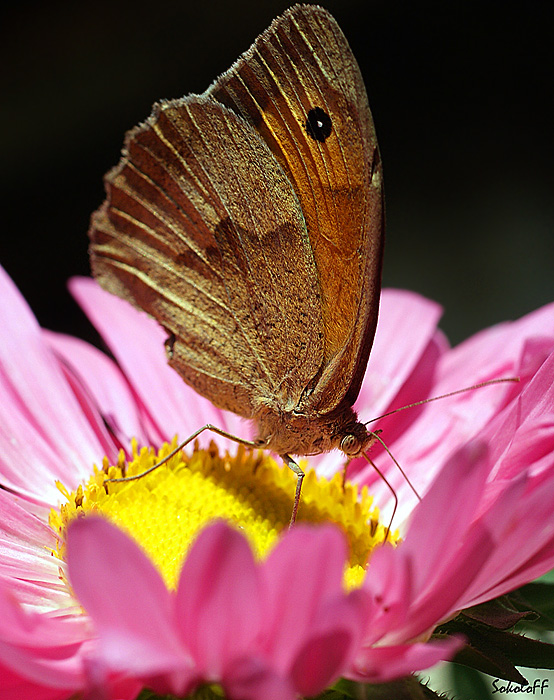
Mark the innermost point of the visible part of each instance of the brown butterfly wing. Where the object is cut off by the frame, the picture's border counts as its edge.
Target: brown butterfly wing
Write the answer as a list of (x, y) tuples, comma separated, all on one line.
[(303, 62), (201, 229)]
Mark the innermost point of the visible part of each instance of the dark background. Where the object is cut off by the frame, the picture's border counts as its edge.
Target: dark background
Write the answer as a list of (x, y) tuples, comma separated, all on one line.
[(461, 94)]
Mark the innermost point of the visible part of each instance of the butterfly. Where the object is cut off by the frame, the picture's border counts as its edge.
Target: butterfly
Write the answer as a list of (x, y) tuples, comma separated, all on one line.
[(248, 221)]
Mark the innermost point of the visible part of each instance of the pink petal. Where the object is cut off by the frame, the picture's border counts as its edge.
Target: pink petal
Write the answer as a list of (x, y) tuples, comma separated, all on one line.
[(100, 378), (417, 387), (25, 559), (442, 569), (330, 645), (321, 662), (382, 664), (496, 351), (536, 565), (129, 605), (451, 502), (103, 685), (144, 362), (46, 650), (43, 431), (521, 437), (506, 350), (16, 687), (522, 526), (389, 586), (218, 599), (466, 561), (392, 361), (252, 679), (441, 600), (302, 572)]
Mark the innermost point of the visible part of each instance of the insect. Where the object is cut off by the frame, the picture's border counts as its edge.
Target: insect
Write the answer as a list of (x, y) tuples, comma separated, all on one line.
[(248, 221)]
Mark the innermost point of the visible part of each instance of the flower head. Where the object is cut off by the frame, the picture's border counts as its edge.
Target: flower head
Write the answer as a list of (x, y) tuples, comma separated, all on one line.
[(94, 611)]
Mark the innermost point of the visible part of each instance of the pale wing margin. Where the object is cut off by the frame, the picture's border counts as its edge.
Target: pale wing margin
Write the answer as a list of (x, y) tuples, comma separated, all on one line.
[(202, 229)]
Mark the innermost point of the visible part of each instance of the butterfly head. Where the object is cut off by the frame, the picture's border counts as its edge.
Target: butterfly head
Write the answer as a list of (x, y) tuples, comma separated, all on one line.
[(304, 434)]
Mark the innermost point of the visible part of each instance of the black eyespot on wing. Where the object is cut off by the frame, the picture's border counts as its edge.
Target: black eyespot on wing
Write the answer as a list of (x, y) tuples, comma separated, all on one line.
[(318, 124)]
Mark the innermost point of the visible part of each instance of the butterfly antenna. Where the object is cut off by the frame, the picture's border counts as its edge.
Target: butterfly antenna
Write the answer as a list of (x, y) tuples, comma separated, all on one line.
[(389, 486), (151, 469), (490, 382), (379, 439)]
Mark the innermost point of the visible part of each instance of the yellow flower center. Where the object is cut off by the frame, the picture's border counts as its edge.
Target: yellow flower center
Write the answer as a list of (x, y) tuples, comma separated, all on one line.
[(164, 510)]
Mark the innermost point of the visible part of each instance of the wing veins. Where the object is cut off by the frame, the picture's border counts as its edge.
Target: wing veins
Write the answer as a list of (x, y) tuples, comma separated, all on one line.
[(157, 213), (259, 360)]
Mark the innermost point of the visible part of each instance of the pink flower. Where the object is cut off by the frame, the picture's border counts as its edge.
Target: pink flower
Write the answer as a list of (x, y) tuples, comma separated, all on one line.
[(483, 462), (399, 373), (270, 630)]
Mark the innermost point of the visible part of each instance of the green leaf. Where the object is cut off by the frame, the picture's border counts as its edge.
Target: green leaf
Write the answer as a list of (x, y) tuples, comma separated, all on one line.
[(333, 694), (500, 613), (469, 683), (348, 689), (409, 688), (497, 652), (540, 597), (548, 577), (481, 654), (524, 651), (204, 692)]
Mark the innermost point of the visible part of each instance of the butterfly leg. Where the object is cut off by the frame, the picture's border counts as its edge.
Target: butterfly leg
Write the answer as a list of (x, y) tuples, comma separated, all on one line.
[(344, 471), (208, 426), (291, 464)]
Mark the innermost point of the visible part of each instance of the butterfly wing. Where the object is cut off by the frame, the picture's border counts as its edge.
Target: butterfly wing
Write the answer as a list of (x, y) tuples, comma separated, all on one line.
[(299, 86), (202, 229)]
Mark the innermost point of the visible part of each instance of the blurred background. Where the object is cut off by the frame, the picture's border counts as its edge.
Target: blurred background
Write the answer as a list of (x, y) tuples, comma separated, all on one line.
[(461, 93)]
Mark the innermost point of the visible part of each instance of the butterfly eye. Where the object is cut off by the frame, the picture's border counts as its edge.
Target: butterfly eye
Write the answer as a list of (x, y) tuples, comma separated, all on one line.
[(318, 124), (350, 445)]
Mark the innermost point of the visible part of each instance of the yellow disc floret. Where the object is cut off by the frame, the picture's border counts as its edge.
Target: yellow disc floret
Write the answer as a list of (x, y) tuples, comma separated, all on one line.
[(164, 510)]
